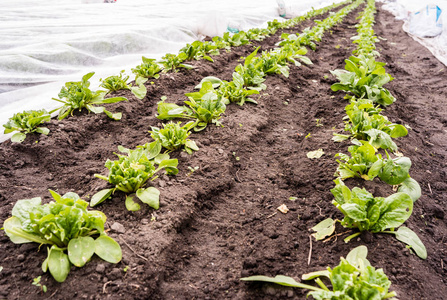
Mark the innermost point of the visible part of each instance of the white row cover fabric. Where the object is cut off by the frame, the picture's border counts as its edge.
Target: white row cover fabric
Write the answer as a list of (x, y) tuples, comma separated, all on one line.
[(424, 23), (45, 43)]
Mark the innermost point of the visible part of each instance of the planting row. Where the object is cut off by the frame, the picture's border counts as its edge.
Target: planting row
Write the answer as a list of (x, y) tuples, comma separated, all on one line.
[(370, 131)]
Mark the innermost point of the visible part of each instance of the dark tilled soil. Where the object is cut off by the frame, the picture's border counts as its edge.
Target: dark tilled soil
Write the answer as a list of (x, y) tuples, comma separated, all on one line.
[(221, 222)]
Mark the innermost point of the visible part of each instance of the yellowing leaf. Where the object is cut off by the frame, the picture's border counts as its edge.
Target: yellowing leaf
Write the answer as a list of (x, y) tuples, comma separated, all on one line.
[(283, 208), (315, 154)]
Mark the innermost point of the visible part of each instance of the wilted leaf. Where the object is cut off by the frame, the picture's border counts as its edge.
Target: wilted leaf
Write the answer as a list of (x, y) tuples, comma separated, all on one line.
[(323, 229), (283, 208), (315, 154)]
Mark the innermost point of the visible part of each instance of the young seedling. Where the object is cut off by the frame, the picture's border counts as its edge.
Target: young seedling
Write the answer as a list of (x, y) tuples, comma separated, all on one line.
[(77, 95), (67, 227), (365, 212), (149, 68), (173, 62), (173, 137), (36, 282), (119, 82), (131, 171), (27, 122), (192, 170), (353, 278), (205, 107)]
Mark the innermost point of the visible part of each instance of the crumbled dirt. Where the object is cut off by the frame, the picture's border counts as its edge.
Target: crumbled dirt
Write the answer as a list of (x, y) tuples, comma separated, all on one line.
[(221, 222)]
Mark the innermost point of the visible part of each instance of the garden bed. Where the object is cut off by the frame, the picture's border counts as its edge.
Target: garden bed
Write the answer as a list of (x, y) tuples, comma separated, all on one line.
[(221, 222)]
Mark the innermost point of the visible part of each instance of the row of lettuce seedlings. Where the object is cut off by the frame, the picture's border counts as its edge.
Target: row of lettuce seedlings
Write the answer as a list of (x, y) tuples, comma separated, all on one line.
[(75, 233), (369, 132)]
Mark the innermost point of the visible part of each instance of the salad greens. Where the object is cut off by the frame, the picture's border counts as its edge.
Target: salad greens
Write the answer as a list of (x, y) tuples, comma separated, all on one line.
[(149, 68), (364, 77), (353, 278), (205, 106), (67, 227), (131, 171), (25, 122), (119, 82), (173, 136), (172, 62), (374, 214), (366, 123), (77, 95), (366, 164)]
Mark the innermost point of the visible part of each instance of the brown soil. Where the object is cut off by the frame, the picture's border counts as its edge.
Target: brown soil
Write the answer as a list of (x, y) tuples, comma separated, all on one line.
[(221, 222)]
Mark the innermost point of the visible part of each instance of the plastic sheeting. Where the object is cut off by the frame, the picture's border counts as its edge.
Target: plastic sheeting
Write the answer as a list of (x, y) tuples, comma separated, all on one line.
[(45, 43), (403, 9)]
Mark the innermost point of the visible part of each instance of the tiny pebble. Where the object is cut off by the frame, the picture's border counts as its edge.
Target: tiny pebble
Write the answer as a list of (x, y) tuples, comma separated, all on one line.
[(118, 227)]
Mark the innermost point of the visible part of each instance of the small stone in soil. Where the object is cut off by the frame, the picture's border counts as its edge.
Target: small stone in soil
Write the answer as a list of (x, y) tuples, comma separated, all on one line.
[(118, 227), (100, 268)]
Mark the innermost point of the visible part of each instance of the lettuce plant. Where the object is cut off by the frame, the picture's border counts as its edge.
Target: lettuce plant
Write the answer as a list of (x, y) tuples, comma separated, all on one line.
[(364, 77), (172, 62), (73, 233), (353, 278), (366, 123), (173, 137), (119, 82), (27, 122), (77, 95), (365, 212), (199, 50), (237, 39), (364, 163), (149, 68), (205, 107), (131, 171), (251, 72), (232, 91)]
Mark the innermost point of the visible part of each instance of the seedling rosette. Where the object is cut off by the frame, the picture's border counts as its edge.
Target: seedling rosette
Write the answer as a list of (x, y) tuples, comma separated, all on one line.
[(27, 122), (130, 173), (149, 68), (232, 91), (119, 82), (353, 278), (364, 163), (364, 77), (173, 137), (77, 95), (68, 227), (365, 212), (205, 107)]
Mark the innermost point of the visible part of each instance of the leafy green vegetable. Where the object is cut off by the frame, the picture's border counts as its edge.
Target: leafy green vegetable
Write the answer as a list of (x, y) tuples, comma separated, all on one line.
[(118, 82), (251, 72), (364, 211), (131, 171), (353, 278), (205, 106), (411, 187), (374, 214), (366, 123), (67, 226), (172, 62), (77, 95), (27, 122), (232, 91), (366, 164), (198, 50), (173, 136), (364, 77), (149, 68)]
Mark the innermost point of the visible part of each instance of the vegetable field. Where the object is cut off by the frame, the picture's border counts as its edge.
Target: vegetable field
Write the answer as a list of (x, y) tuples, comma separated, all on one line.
[(234, 190)]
